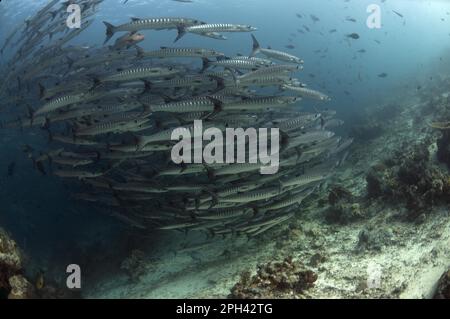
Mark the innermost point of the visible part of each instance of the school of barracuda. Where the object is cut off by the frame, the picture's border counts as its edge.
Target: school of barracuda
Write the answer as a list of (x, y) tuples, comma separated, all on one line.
[(109, 111)]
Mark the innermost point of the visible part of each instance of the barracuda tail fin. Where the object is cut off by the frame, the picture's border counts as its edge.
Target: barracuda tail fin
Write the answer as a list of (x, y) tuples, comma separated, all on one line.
[(205, 64), (53, 14), (220, 83), (42, 91), (181, 32), (139, 52), (256, 46), (110, 30)]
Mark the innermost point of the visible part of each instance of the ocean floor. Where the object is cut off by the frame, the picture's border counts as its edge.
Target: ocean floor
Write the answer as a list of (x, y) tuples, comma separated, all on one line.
[(371, 254)]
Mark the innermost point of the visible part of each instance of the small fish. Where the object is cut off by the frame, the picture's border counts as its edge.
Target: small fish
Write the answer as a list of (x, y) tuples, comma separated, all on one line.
[(290, 46), (40, 280), (397, 13), (354, 36), (382, 75), (314, 18), (11, 168)]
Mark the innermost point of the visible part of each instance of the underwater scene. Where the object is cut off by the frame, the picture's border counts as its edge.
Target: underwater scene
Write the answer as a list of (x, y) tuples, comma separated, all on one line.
[(206, 149)]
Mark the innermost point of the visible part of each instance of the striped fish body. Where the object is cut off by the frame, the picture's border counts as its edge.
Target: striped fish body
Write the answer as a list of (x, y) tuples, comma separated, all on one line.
[(220, 27), (140, 73)]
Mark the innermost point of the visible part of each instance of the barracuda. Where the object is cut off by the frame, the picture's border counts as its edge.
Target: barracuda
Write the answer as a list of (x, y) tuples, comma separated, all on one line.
[(299, 122), (130, 148), (117, 126), (263, 103), (166, 52), (274, 54), (97, 110), (252, 196), (213, 35), (59, 103), (196, 130), (138, 24), (74, 140), (269, 71), (74, 162), (194, 105), (77, 174), (139, 73), (188, 81), (308, 93), (225, 214), (260, 61), (266, 81), (232, 64), (215, 27), (304, 179)]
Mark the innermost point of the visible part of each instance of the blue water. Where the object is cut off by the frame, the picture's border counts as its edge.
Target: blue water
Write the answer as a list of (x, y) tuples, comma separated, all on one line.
[(405, 52)]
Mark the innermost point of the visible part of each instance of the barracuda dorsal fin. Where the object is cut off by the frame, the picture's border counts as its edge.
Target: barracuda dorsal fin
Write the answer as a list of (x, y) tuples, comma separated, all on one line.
[(256, 47), (222, 58), (140, 52), (42, 91)]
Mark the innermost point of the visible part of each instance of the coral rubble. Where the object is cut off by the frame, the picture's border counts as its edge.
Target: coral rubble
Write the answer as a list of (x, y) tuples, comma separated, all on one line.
[(280, 279), (13, 284)]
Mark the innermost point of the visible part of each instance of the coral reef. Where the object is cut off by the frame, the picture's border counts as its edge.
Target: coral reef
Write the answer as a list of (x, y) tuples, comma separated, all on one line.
[(13, 284), (344, 207), (278, 279), (21, 288), (410, 177), (443, 287), (443, 144)]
